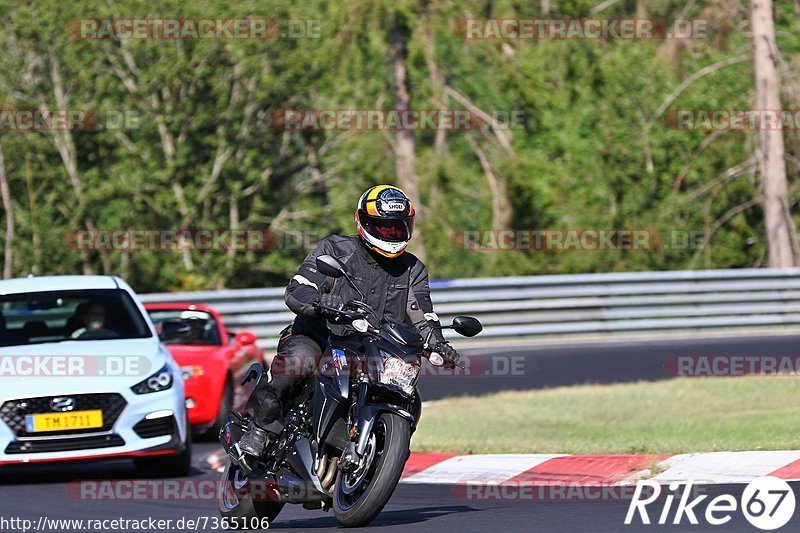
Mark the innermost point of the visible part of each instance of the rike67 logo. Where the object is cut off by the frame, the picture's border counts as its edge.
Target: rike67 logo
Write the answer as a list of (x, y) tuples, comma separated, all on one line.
[(767, 503)]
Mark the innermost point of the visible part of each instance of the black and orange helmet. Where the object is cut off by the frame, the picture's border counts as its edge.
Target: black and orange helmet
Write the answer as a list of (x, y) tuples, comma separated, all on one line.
[(385, 219)]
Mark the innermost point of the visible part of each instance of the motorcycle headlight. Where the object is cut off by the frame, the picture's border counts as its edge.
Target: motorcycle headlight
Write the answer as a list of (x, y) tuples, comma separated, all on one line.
[(161, 380), (398, 374)]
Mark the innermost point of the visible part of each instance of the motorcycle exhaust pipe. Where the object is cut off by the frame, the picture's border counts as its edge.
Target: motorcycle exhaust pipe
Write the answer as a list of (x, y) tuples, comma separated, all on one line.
[(327, 482), (322, 467), (241, 460)]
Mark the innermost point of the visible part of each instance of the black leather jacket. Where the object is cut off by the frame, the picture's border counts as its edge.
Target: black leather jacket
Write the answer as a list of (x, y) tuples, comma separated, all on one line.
[(396, 288)]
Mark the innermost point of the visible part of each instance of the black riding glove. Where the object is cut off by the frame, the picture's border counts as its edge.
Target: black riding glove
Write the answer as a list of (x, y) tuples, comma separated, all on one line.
[(449, 354), (331, 301)]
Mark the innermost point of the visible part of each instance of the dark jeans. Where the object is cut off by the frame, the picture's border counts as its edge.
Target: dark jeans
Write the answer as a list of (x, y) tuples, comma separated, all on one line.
[(294, 364)]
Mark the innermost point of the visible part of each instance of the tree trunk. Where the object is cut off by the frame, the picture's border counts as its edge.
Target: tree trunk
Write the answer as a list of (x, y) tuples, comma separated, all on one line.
[(641, 10), (65, 145), (501, 206), (777, 216), (437, 82), (32, 209), (233, 223), (404, 148), (5, 194)]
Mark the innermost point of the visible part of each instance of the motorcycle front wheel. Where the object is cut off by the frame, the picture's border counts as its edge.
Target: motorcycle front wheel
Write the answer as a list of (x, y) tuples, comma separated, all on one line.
[(243, 505), (362, 494)]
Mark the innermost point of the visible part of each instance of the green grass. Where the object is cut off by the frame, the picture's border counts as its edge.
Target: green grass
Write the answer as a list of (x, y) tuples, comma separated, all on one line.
[(675, 416)]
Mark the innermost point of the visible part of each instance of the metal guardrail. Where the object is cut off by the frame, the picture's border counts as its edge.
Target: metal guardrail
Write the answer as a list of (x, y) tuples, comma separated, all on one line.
[(566, 305)]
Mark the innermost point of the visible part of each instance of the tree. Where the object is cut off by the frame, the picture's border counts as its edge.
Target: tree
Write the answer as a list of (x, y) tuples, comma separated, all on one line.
[(6, 197), (404, 138), (777, 217)]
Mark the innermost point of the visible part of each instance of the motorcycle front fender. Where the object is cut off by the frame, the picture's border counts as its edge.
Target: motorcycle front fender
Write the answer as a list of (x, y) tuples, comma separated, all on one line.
[(370, 413)]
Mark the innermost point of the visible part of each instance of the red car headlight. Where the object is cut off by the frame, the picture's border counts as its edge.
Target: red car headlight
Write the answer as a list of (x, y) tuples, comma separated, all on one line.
[(191, 371)]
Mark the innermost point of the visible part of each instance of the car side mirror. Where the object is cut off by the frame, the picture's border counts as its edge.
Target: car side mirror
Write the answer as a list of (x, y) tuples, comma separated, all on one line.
[(174, 329), (467, 326), (330, 266), (245, 338)]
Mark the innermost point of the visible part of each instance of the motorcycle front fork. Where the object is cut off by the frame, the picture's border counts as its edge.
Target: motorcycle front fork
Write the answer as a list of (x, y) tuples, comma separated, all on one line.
[(350, 457)]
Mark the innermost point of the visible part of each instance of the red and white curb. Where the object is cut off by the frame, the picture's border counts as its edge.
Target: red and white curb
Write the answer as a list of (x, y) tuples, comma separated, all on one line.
[(708, 468), (545, 469)]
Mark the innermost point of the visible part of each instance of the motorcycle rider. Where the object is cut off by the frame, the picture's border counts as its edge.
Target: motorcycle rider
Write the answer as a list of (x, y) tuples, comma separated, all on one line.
[(394, 283)]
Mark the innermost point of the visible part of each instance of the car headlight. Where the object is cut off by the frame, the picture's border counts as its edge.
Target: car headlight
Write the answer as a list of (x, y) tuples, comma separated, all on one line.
[(161, 380), (398, 374)]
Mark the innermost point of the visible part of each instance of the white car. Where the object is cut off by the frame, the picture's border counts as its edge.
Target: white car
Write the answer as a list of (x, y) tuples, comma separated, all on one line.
[(84, 375)]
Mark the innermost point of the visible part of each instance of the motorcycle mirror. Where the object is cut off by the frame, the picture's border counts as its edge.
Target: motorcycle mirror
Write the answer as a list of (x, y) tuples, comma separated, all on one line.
[(333, 268), (330, 266), (467, 326), (256, 371)]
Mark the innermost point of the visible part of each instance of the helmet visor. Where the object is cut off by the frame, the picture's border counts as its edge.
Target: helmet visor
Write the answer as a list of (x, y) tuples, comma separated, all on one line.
[(388, 229)]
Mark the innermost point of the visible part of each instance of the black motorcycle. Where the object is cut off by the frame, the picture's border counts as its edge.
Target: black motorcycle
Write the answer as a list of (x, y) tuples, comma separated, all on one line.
[(346, 437)]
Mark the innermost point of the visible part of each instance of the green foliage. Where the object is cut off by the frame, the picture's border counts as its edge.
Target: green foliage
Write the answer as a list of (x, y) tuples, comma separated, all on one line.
[(591, 153)]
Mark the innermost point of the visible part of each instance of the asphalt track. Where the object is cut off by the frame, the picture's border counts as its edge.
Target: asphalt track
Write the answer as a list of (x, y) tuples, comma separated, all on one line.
[(49, 490), (32, 492), (492, 369)]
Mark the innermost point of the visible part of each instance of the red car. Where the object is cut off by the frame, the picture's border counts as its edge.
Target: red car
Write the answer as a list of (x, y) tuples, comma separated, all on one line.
[(213, 359)]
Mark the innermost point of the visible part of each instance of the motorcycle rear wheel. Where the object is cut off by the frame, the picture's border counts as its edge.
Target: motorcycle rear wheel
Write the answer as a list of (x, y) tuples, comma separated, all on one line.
[(240, 505)]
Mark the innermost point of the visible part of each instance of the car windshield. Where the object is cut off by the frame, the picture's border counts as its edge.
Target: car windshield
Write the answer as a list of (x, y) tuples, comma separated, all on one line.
[(56, 316), (204, 327)]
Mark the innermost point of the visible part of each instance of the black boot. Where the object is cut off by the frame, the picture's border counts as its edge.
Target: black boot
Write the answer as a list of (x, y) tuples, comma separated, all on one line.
[(254, 441)]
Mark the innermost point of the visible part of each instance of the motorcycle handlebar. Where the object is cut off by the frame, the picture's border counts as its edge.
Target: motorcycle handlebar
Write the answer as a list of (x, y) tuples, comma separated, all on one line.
[(353, 309), (434, 357), (343, 313)]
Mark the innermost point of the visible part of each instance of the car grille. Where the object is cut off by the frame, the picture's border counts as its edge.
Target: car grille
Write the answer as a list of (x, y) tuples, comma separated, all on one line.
[(64, 445), (13, 412), (157, 427)]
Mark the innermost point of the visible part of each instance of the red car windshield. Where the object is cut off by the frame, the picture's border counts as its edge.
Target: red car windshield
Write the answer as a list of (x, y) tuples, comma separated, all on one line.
[(204, 328)]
